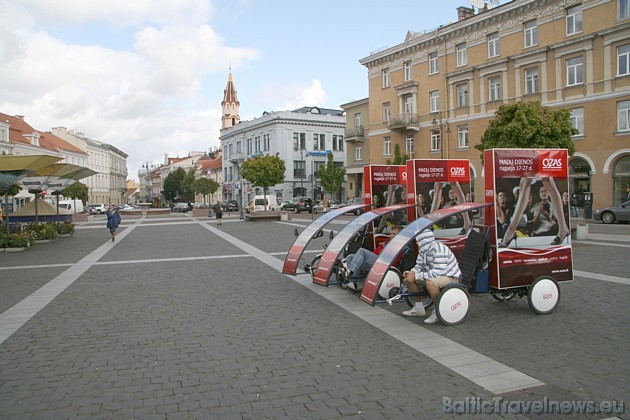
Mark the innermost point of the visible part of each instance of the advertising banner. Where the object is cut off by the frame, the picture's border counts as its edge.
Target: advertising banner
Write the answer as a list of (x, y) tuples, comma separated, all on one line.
[(528, 191), (385, 186)]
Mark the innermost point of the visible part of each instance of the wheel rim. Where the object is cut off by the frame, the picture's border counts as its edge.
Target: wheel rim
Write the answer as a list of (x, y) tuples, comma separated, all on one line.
[(543, 296), (608, 218), (452, 306)]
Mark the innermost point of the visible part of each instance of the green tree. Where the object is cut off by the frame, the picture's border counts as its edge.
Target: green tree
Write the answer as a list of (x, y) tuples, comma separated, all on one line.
[(529, 125), (173, 184), (264, 171), (13, 190), (399, 159), (331, 176), (76, 190), (187, 185), (205, 186)]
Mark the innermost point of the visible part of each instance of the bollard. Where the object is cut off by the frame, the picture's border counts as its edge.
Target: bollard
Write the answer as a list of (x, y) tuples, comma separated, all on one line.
[(582, 232)]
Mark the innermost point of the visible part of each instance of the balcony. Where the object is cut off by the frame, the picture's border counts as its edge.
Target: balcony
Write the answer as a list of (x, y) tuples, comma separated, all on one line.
[(236, 157), (404, 122), (355, 134)]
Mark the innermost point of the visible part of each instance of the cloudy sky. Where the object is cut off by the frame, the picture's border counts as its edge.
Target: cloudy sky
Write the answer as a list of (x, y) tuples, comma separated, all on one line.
[(147, 76)]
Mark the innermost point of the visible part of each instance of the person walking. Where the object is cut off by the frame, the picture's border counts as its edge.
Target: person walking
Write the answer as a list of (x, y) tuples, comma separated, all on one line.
[(218, 212), (113, 220)]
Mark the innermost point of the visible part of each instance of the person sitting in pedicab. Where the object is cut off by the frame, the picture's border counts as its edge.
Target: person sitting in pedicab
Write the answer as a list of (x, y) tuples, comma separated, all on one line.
[(436, 267), (362, 261)]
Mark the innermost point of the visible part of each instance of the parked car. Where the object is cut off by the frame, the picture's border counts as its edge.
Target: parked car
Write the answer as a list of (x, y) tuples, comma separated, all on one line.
[(230, 205), (97, 208), (620, 213), (290, 205), (357, 200), (305, 204), (181, 208)]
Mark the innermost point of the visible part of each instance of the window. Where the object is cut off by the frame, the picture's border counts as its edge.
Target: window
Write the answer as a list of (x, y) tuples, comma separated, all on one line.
[(462, 136), (623, 116), (531, 33), (266, 142), (623, 60), (249, 146), (386, 112), (299, 169), (435, 140), (493, 45), (299, 141), (319, 141), (357, 120), (434, 101), (574, 20), (531, 81), (623, 11), (462, 58), (434, 65), (357, 153), (337, 142), (238, 147), (575, 71), (317, 167), (462, 95), (577, 120), (409, 144), (387, 146), (407, 70), (494, 88), (256, 144), (385, 74), (408, 104)]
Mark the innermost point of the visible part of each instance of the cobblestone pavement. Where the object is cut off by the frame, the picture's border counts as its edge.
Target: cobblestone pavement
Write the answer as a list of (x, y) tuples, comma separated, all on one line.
[(180, 318)]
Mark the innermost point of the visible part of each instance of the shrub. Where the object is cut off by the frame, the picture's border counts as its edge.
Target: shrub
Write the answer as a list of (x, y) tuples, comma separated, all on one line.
[(64, 228), (42, 231), (20, 240)]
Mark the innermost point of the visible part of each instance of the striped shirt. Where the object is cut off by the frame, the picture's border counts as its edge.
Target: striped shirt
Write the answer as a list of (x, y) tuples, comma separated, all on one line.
[(434, 259)]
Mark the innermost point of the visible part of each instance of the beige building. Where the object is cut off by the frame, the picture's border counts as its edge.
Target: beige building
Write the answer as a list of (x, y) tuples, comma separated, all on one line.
[(434, 94)]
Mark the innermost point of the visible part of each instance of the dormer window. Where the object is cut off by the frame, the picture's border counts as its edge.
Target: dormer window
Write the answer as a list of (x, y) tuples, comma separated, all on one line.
[(4, 133), (34, 138)]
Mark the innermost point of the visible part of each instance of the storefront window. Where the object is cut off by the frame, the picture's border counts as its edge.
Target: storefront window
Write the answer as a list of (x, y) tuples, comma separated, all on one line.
[(580, 176)]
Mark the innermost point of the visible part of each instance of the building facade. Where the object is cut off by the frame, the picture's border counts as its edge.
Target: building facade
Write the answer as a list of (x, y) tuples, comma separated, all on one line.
[(302, 138), (109, 184), (434, 94)]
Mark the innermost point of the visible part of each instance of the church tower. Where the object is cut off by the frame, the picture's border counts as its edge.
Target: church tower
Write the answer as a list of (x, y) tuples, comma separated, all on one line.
[(230, 106)]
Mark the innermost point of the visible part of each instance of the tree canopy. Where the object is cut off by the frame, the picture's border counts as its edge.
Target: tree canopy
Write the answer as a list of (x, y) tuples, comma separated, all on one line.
[(529, 125), (205, 186), (173, 184), (331, 176), (399, 158), (14, 189), (76, 190), (264, 171)]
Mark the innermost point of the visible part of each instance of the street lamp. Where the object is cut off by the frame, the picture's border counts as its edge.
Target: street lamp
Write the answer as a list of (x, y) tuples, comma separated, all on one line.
[(437, 119)]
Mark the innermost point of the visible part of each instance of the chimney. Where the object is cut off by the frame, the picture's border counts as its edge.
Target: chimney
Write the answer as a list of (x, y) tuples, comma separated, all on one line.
[(464, 12)]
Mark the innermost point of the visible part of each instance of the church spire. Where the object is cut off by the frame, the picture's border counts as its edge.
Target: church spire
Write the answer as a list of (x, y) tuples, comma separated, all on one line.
[(230, 105)]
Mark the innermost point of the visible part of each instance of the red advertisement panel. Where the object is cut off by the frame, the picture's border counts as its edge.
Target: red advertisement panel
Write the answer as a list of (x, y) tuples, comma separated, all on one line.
[(385, 186), (434, 184), (529, 191)]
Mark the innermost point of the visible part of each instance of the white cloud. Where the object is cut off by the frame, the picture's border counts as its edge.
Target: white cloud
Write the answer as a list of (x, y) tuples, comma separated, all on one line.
[(145, 101), (295, 96)]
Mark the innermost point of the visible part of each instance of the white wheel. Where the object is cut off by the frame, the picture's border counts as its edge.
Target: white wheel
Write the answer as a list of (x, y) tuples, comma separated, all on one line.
[(543, 295), (392, 280), (452, 305)]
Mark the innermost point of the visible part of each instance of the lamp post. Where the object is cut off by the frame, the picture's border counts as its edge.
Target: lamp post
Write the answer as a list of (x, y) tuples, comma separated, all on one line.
[(437, 119)]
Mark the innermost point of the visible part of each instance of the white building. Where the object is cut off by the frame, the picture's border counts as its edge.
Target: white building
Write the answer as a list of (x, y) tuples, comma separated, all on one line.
[(302, 138), (110, 182)]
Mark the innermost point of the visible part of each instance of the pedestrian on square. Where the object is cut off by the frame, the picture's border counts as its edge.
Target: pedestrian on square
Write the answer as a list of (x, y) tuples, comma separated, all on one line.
[(326, 203), (574, 206), (218, 212), (113, 220)]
